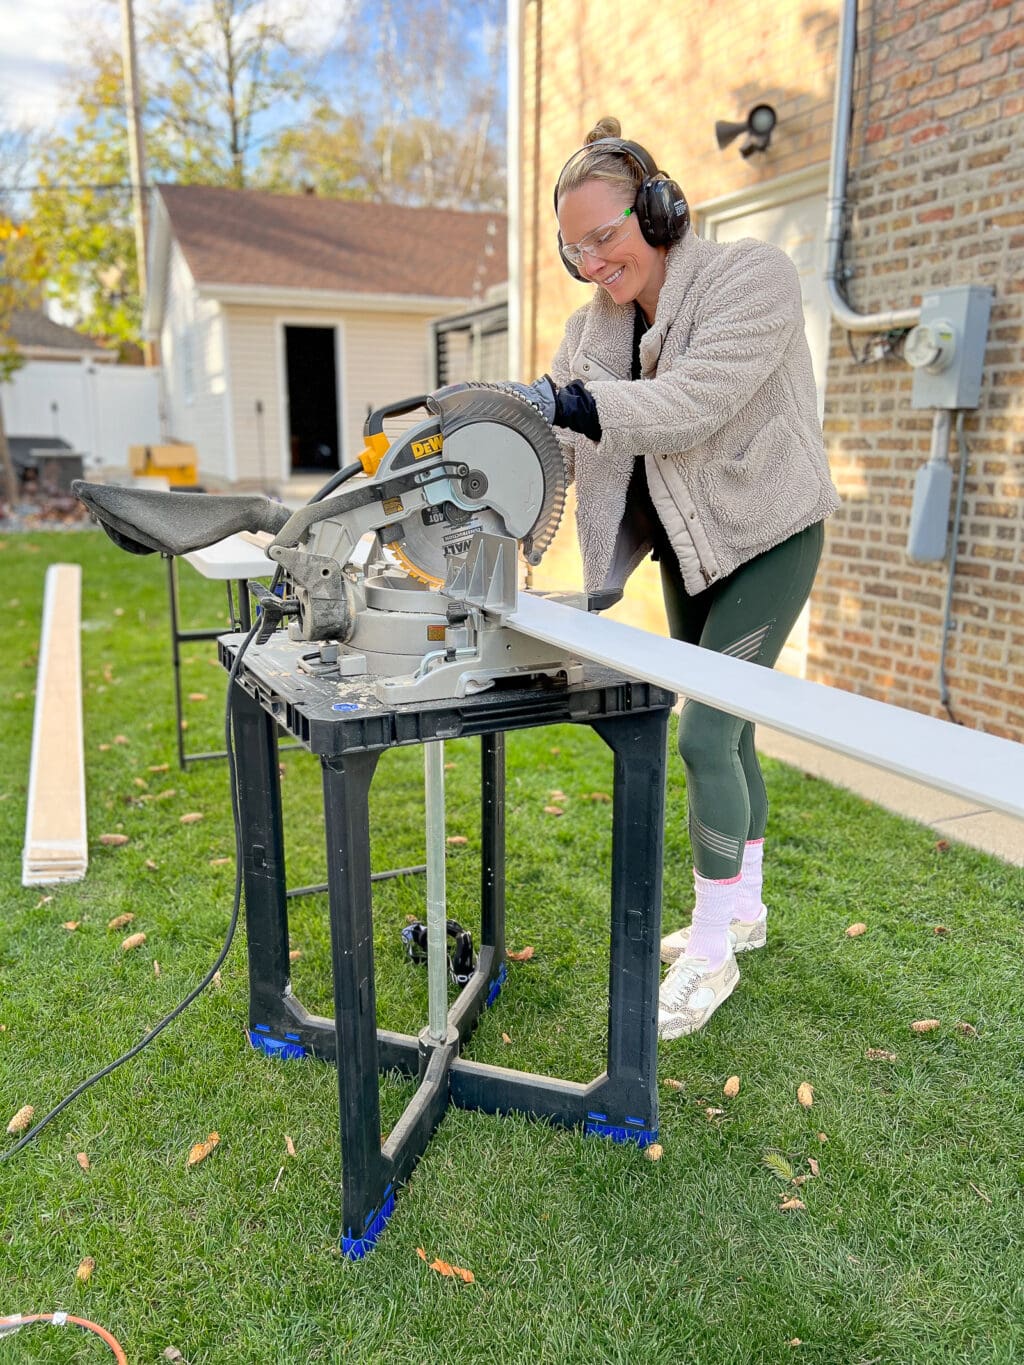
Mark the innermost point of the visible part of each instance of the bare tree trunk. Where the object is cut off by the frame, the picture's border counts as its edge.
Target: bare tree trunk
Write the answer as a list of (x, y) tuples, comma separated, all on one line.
[(8, 477)]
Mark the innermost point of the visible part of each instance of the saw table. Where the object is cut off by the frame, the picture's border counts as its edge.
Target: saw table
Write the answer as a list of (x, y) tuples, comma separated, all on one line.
[(344, 723)]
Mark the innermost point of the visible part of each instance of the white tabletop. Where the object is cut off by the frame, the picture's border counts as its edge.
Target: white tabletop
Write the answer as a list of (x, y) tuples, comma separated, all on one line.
[(234, 557)]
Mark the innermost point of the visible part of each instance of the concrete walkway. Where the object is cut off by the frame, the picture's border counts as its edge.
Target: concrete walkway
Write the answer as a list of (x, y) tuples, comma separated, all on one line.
[(952, 817)]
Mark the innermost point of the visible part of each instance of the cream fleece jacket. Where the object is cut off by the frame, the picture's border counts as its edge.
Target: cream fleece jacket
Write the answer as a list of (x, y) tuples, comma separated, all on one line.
[(724, 416)]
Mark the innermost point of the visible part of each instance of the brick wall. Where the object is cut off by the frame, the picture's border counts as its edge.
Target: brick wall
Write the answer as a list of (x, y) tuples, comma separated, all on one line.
[(936, 166), (934, 176)]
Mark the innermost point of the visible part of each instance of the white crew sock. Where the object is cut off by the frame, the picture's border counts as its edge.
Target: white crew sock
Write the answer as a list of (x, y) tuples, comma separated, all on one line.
[(749, 903), (715, 907)]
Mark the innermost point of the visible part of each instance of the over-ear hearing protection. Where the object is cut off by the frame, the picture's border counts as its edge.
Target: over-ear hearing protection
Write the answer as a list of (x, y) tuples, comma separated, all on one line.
[(660, 204)]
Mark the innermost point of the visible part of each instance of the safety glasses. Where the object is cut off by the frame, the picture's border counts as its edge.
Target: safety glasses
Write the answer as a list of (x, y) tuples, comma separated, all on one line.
[(599, 241)]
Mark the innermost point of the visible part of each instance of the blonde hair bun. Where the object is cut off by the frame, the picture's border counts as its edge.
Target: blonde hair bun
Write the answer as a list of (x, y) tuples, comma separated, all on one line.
[(604, 127)]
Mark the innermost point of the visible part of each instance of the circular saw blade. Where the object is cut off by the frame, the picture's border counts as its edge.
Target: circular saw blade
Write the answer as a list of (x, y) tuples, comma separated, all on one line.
[(432, 538), (500, 433)]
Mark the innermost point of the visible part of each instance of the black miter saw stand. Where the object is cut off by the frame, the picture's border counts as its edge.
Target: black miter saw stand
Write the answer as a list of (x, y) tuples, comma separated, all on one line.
[(348, 727)]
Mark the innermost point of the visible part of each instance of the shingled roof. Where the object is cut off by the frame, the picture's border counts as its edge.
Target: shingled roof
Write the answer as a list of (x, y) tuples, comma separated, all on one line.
[(247, 237), (33, 330)]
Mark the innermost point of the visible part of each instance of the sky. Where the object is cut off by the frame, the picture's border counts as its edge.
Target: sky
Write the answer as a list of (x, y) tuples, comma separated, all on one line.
[(38, 40)]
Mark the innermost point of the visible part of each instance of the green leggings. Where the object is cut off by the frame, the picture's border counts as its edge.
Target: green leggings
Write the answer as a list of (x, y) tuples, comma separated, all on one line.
[(748, 615)]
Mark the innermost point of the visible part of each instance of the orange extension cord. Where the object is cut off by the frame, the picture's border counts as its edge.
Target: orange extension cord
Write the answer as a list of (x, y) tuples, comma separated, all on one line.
[(23, 1319)]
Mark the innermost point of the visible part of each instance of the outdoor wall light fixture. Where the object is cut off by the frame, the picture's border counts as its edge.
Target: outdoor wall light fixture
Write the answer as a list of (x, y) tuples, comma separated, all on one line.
[(758, 126)]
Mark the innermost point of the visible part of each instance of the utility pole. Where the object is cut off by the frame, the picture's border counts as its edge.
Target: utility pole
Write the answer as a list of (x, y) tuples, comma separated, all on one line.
[(136, 150)]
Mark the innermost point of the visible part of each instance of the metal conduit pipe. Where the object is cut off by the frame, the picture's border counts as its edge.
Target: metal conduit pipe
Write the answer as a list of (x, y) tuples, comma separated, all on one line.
[(836, 208)]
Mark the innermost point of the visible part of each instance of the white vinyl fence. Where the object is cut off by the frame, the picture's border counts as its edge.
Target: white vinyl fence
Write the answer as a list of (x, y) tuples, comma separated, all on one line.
[(100, 410)]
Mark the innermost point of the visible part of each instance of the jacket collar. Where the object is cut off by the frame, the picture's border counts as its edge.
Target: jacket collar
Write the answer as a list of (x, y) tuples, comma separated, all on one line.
[(608, 331)]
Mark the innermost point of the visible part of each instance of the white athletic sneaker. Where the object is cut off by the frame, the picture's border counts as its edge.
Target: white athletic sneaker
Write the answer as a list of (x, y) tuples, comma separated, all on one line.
[(742, 935), (691, 993)]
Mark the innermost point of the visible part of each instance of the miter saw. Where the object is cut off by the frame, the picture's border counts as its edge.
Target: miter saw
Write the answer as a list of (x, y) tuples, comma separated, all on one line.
[(407, 575)]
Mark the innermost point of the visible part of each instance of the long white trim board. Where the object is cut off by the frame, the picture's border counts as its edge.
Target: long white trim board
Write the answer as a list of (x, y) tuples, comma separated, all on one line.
[(56, 843), (969, 763)]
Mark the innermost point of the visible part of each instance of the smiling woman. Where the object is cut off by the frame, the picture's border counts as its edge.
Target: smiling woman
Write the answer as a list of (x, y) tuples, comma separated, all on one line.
[(684, 399)]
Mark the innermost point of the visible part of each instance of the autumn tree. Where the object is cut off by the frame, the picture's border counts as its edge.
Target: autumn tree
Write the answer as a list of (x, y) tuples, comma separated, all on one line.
[(21, 272), (212, 71), (422, 120)]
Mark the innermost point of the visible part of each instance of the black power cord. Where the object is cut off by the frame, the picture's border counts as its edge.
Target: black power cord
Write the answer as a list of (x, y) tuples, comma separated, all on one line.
[(229, 936), (348, 472)]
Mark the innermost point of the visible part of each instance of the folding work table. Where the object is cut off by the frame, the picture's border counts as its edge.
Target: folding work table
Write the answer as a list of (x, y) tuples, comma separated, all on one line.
[(342, 722)]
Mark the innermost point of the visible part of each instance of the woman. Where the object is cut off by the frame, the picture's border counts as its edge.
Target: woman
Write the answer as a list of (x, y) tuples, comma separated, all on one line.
[(685, 402)]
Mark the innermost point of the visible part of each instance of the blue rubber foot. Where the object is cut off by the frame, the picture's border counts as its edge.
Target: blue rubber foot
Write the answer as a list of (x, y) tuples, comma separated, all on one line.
[(630, 1130), (355, 1248), (496, 985), (286, 1049)]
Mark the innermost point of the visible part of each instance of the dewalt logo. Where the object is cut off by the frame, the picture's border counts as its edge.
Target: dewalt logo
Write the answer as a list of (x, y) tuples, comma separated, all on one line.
[(430, 446)]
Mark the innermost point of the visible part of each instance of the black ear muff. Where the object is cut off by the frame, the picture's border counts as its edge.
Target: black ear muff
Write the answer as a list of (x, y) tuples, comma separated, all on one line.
[(660, 204)]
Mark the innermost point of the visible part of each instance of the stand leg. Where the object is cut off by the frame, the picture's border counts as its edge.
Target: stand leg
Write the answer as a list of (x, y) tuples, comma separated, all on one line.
[(367, 1191), (266, 913), (629, 1110), (172, 589)]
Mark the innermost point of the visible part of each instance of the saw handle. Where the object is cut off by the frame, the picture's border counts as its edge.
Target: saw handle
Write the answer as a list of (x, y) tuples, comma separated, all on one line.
[(377, 444)]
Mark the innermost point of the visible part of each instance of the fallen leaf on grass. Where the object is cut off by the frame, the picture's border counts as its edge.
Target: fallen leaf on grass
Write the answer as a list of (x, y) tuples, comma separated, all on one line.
[(879, 1054), (523, 955), (167, 793), (654, 1152), (132, 942), (119, 921), (712, 1113), (456, 840), (968, 1029), (150, 865), (71, 925), (199, 1151), (793, 1205), (505, 1038), (598, 796), (556, 752), (192, 818), (140, 781), (672, 1084), (113, 840), (924, 1025), (443, 1268), (85, 1268), (172, 1353), (156, 967), (103, 748), (553, 810), (794, 1341), (815, 1168), (294, 955), (823, 1137), (216, 979), (557, 795), (43, 900), (289, 1145), (855, 930), (21, 1120), (159, 767), (449, 766), (941, 845), (805, 1094), (82, 1160), (219, 862), (731, 1088), (197, 696), (941, 929)]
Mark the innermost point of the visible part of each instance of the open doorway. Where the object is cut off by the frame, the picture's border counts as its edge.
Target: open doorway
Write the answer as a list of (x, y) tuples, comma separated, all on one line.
[(312, 377)]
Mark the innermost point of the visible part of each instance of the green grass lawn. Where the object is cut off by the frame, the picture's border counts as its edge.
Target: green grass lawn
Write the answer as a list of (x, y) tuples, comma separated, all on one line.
[(909, 1248)]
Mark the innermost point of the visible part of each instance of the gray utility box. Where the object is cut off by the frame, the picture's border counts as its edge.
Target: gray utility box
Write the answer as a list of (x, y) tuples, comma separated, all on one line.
[(947, 347)]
